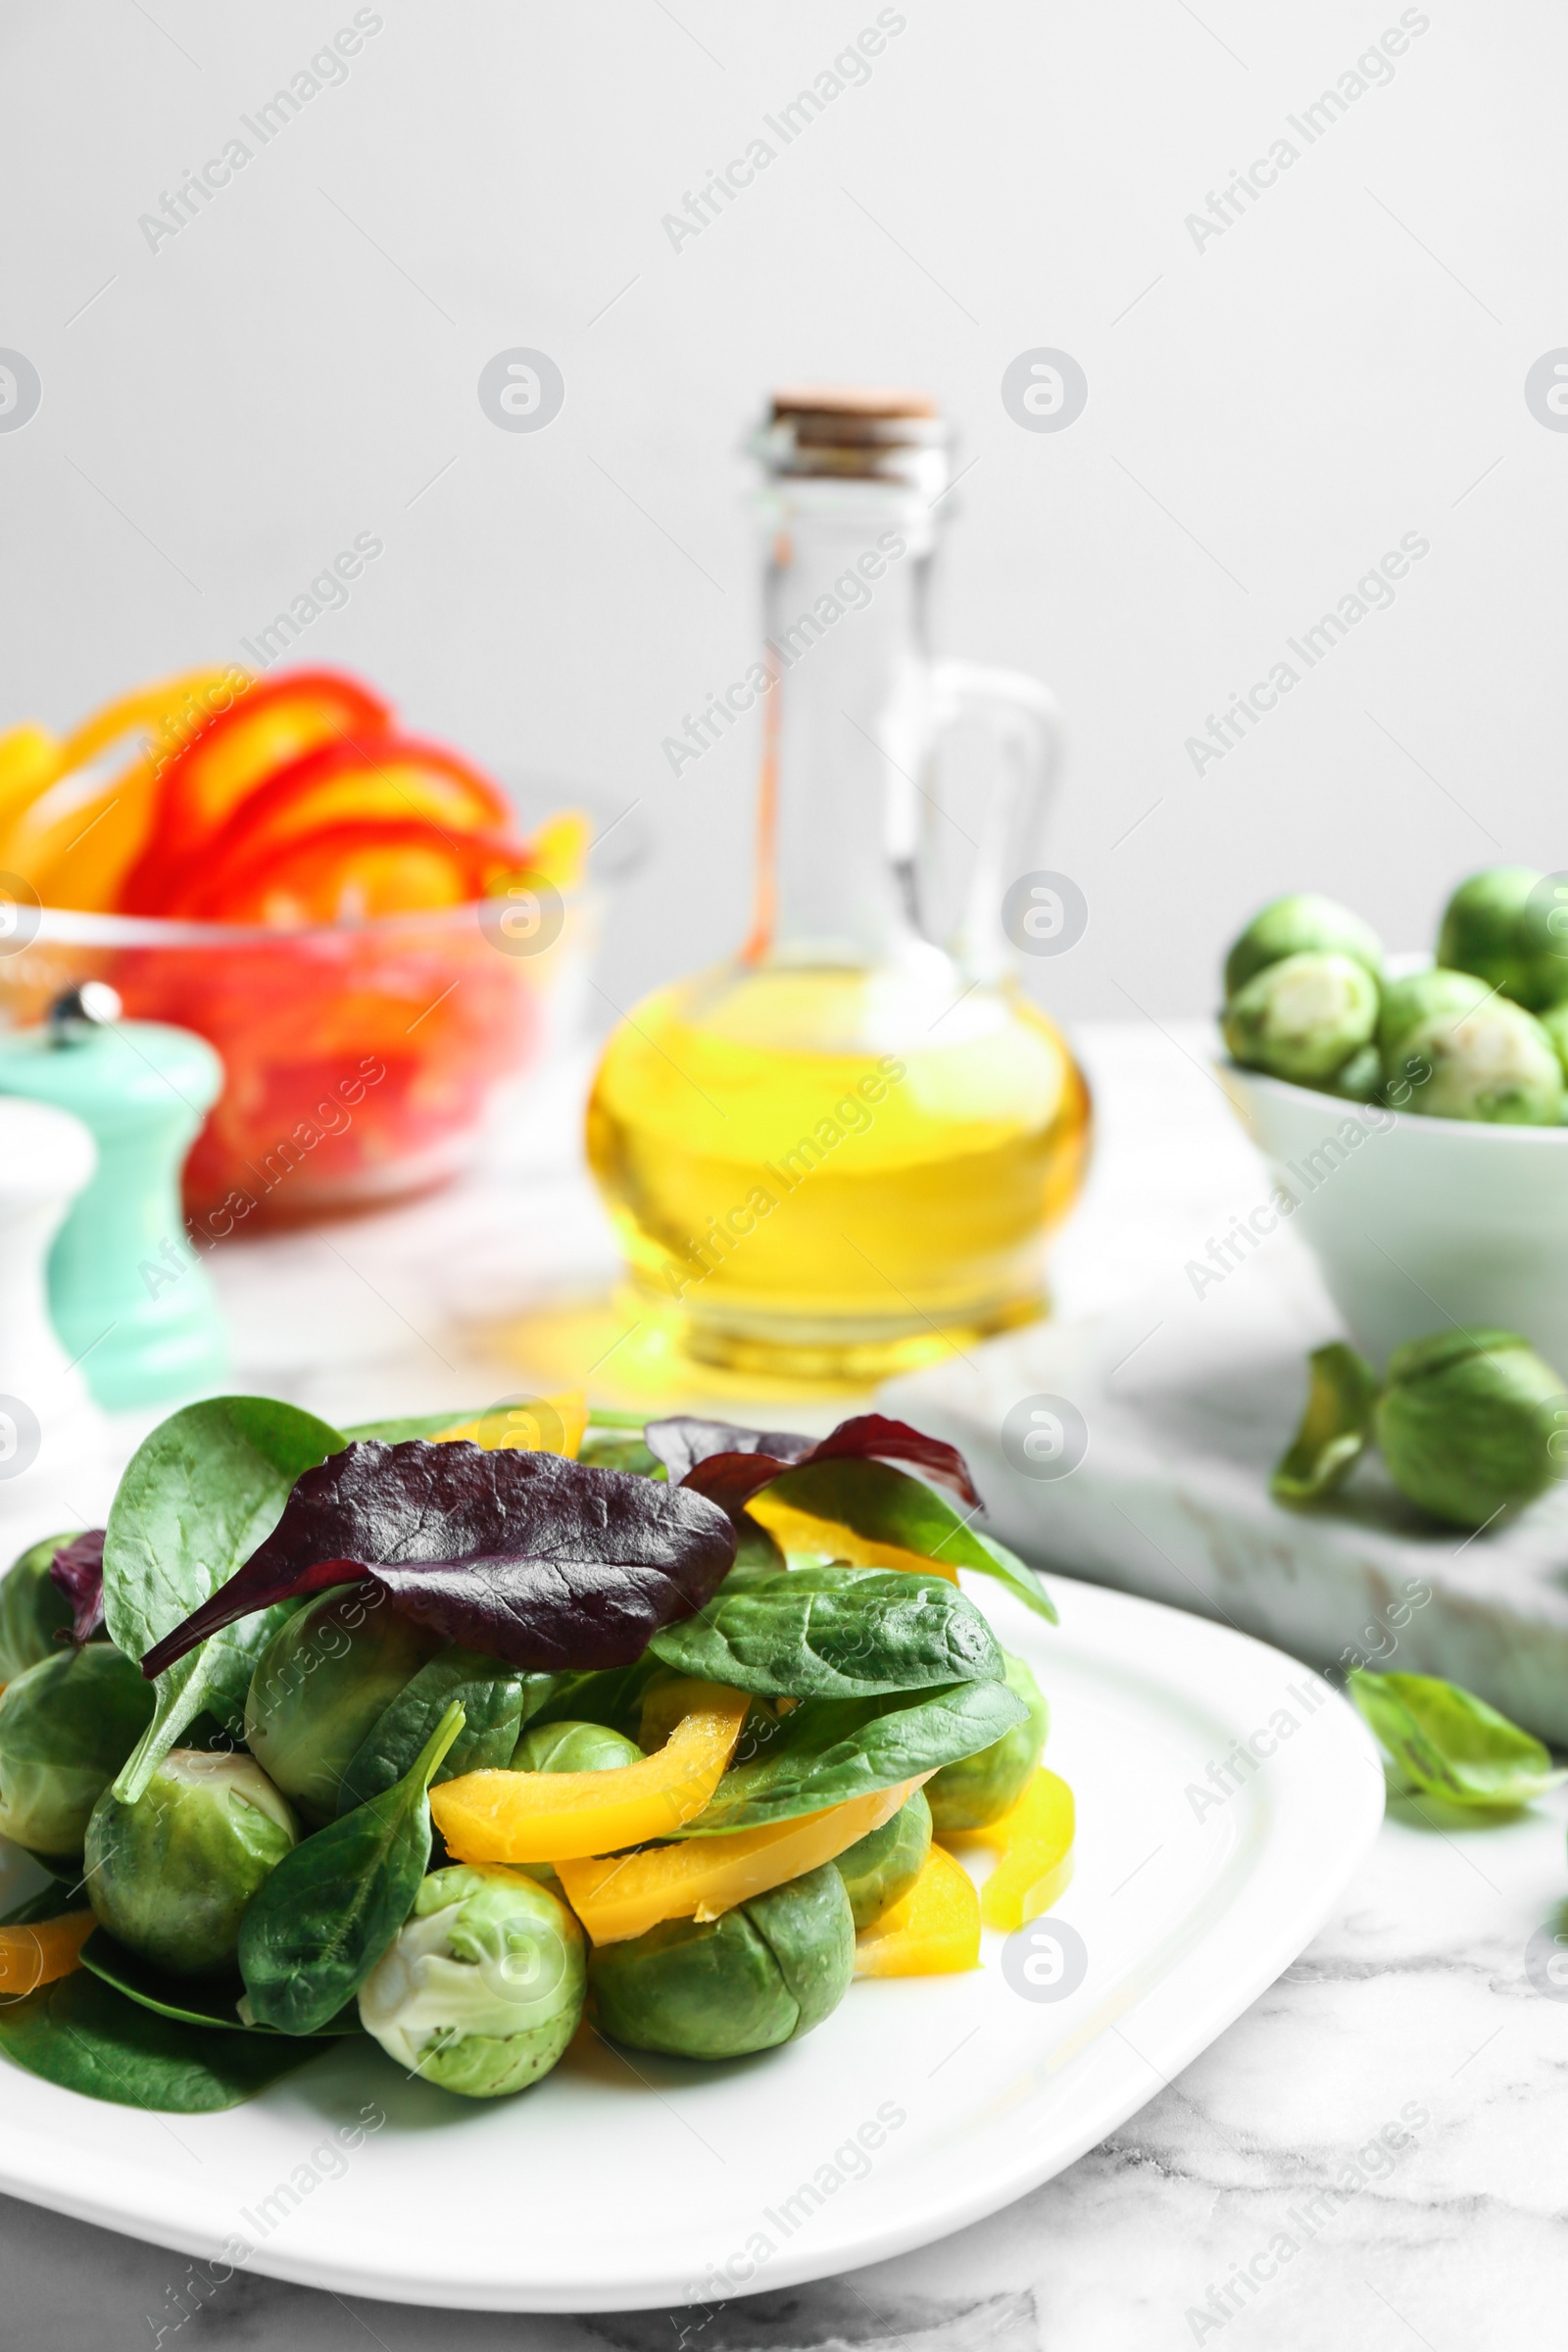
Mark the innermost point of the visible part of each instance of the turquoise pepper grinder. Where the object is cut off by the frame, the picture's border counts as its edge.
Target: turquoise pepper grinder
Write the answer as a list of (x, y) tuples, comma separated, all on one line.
[(127, 1294)]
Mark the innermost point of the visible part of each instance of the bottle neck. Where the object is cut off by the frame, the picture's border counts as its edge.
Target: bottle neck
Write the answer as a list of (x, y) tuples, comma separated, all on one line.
[(845, 722)]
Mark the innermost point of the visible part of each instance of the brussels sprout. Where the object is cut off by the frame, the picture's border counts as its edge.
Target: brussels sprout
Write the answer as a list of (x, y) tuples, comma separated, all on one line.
[(32, 1610), (320, 1685), (1488, 1059), (67, 1726), (1469, 1421), (172, 1874), (764, 1972), (980, 1789), (1362, 1078), (1555, 1024), (574, 1747), (1542, 935), (1297, 925), (483, 1987), (1481, 928), (1303, 1017), (879, 1870)]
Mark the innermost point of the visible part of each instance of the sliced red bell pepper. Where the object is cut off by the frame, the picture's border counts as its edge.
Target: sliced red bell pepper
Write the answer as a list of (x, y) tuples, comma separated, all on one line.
[(350, 872), (394, 781), (270, 727)]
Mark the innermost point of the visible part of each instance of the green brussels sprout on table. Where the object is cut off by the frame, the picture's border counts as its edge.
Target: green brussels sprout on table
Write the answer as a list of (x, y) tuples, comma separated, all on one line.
[(978, 1789), (759, 1975), (1468, 1422), (1465, 1052), (171, 1874), (1300, 924), (879, 1869), (484, 1987), (67, 1726), (322, 1683), (1471, 1421), (1305, 1017), (32, 1609)]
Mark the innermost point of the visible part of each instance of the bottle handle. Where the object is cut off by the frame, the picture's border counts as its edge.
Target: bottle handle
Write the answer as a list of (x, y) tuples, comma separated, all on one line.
[(1024, 722)]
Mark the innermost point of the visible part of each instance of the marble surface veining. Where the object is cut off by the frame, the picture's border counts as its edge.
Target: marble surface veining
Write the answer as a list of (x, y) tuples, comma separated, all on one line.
[(1374, 2156)]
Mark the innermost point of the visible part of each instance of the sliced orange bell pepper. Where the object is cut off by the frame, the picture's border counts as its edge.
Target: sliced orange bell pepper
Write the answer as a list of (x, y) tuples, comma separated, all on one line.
[(1035, 1842), (391, 778), (620, 1896), (559, 1815), (169, 712), (802, 1531), (934, 1930), (38, 1954), (528, 1428), (348, 872), (271, 725)]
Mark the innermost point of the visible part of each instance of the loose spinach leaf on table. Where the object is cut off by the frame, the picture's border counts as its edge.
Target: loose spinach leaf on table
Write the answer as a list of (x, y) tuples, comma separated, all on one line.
[(887, 1507), (200, 1494), (833, 1633), (212, 2003), (1448, 1743), (83, 2035), (496, 1701), (827, 1750), (321, 1923)]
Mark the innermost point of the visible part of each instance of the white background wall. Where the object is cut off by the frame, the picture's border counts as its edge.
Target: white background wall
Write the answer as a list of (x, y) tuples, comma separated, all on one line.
[(1266, 415)]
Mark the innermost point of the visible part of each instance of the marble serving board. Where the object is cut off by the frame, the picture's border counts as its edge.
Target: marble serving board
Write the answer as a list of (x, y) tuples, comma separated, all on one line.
[(1187, 1399)]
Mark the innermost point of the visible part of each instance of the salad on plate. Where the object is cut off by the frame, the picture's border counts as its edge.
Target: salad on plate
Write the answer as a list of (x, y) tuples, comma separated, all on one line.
[(415, 1731)]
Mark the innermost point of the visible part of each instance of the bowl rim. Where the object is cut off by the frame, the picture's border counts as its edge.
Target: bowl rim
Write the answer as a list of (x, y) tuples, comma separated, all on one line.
[(1481, 1131), (81, 927)]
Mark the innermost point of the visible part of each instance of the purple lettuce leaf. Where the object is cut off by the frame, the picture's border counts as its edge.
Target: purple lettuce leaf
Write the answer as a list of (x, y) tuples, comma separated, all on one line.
[(77, 1571), (731, 1464), (541, 1561)]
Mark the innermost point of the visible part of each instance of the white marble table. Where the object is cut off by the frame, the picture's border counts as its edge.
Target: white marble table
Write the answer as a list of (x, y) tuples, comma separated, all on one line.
[(1414, 2007)]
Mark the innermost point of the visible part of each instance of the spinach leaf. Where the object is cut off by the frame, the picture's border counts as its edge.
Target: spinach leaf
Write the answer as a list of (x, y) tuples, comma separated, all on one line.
[(57, 1901), (83, 2036), (833, 1633), (888, 1506), (321, 1923), (827, 1750), (199, 1494), (413, 1425), (1448, 1743), (190, 2000), (495, 1703), (620, 1449)]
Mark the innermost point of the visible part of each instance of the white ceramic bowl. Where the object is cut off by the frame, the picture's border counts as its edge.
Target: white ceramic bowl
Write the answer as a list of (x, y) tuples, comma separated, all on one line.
[(1417, 1223)]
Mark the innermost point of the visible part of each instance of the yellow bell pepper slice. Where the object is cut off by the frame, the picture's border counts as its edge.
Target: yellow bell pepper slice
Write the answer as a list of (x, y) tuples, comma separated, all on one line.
[(36, 1955), (1035, 1842), (77, 851), (617, 1895), (560, 1816), (803, 1532), (933, 1931), (558, 850), (31, 760), (528, 1428)]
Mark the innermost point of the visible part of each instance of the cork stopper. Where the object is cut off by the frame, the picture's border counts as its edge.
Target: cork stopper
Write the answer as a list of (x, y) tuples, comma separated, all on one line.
[(864, 430)]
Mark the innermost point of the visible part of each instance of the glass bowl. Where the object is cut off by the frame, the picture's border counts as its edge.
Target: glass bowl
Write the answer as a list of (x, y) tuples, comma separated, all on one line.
[(359, 1057)]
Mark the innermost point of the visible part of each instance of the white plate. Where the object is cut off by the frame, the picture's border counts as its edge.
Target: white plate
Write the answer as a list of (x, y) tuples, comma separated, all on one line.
[(629, 2181)]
